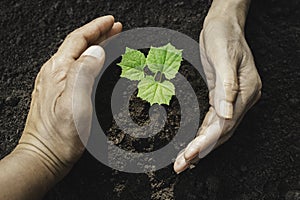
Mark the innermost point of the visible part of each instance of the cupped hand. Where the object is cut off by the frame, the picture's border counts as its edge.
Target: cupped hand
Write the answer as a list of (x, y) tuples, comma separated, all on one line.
[(50, 133), (233, 82)]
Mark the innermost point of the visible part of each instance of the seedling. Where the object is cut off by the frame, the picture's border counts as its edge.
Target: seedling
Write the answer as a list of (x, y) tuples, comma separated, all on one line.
[(163, 63)]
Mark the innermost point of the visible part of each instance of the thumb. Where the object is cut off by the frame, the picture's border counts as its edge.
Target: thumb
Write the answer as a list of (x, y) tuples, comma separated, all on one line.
[(90, 62), (86, 68), (226, 89)]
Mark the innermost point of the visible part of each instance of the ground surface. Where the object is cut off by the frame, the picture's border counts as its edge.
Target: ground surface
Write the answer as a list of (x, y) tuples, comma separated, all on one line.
[(261, 161)]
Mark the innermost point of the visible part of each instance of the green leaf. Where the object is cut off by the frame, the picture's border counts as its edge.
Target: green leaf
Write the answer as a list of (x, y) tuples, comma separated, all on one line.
[(132, 64), (154, 91), (165, 59)]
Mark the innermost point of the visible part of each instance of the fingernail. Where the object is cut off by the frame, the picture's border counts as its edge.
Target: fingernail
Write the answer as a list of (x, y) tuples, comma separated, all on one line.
[(195, 146), (226, 109), (180, 152), (180, 165), (94, 51)]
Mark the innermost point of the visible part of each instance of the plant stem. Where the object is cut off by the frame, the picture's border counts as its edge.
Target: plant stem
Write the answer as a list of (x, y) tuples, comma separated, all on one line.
[(155, 76), (160, 77)]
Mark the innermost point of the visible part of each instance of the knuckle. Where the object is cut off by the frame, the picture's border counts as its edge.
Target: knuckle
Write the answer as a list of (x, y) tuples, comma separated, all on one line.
[(230, 85), (75, 34), (57, 60), (256, 86), (254, 90), (40, 78), (48, 66), (56, 69), (230, 90)]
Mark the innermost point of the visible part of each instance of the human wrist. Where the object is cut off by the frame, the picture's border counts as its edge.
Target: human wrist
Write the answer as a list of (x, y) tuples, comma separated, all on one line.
[(230, 10), (31, 148), (25, 176)]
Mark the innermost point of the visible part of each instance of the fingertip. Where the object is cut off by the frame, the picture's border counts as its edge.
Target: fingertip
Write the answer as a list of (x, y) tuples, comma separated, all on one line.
[(194, 148), (91, 61), (180, 164), (95, 51), (109, 17), (117, 28)]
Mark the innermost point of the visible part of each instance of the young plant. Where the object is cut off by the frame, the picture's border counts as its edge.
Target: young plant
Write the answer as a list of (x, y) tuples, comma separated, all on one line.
[(163, 63)]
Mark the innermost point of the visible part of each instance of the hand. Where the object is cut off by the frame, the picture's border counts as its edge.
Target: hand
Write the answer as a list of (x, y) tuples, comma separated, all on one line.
[(50, 133), (233, 82)]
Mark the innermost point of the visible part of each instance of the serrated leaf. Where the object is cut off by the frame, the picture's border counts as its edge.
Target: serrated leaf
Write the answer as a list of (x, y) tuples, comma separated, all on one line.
[(165, 59), (133, 64), (154, 91)]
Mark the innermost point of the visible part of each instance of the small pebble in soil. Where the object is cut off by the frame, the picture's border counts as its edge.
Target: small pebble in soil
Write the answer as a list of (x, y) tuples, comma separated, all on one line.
[(11, 101), (8, 81), (18, 40), (146, 21), (180, 3), (292, 195)]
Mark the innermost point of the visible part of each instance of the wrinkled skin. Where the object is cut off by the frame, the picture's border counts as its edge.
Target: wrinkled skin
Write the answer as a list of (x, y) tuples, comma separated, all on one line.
[(50, 144), (233, 82), (50, 127)]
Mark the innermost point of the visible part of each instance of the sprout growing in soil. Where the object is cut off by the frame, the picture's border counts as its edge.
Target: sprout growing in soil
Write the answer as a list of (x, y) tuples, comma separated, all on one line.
[(162, 63)]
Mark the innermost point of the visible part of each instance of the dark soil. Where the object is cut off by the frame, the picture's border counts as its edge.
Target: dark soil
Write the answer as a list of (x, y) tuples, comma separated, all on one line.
[(261, 160)]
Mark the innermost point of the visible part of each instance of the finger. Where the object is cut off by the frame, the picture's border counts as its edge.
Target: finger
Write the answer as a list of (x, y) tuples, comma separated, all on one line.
[(218, 130), (180, 164), (209, 118), (208, 136), (225, 91), (79, 40), (89, 65), (205, 142), (214, 129), (117, 28), (225, 57), (79, 85)]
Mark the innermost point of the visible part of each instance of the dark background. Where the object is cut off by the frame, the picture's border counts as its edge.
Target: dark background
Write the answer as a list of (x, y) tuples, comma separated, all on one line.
[(261, 161)]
